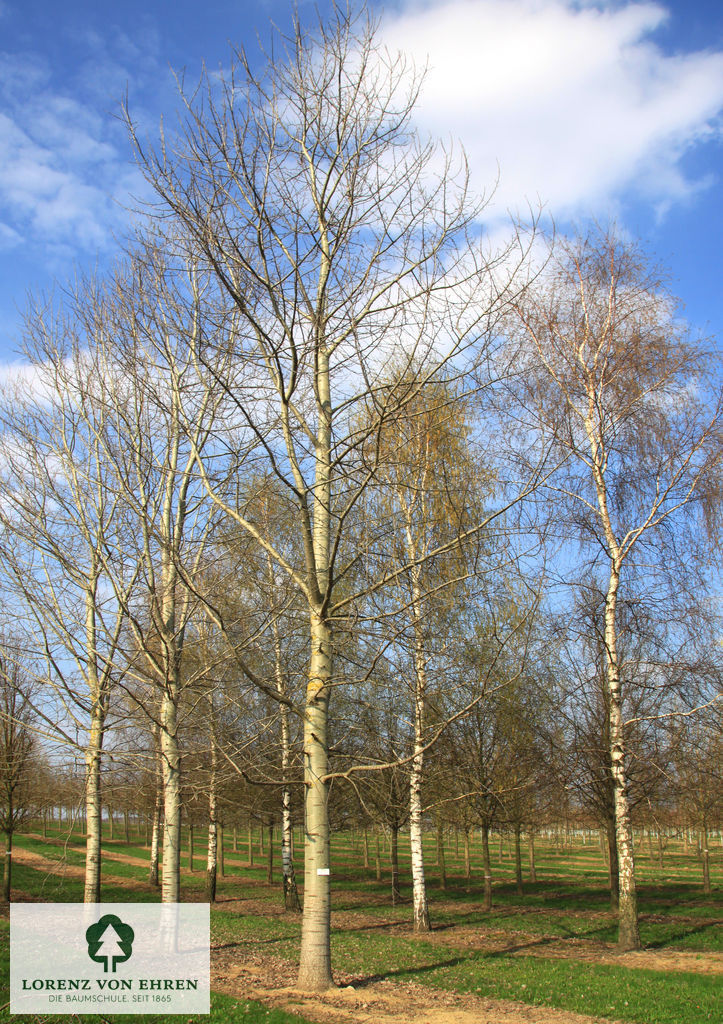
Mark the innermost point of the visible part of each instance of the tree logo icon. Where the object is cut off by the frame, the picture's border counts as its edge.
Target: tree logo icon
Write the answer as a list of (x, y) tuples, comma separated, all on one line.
[(110, 942)]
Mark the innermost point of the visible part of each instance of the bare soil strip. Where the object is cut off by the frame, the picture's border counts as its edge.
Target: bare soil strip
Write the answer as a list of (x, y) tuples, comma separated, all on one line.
[(271, 981)]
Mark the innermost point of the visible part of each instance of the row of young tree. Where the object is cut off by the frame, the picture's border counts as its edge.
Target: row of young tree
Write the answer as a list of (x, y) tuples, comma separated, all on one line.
[(301, 489)]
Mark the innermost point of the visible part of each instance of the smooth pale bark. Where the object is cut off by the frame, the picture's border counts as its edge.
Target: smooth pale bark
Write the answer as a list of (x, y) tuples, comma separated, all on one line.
[(315, 961), (366, 848), (531, 855)]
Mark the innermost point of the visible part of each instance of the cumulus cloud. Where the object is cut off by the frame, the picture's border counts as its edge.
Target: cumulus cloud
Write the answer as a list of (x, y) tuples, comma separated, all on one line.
[(572, 101)]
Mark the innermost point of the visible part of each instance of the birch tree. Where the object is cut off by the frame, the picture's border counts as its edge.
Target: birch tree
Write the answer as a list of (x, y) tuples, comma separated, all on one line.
[(625, 392), (64, 539)]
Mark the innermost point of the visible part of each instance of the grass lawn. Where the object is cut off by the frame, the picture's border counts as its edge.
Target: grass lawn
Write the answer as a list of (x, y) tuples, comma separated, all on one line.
[(550, 946)]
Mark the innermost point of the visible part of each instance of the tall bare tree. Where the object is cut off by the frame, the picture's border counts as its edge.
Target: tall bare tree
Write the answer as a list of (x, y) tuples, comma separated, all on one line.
[(625, 392), (344, 247)]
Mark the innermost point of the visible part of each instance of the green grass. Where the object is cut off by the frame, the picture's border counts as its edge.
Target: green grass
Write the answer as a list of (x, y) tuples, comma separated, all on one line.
[(568, 902), (224, 1009)]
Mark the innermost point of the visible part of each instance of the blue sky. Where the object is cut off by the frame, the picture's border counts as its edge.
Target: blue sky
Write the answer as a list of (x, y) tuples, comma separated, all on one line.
[(597, 108)]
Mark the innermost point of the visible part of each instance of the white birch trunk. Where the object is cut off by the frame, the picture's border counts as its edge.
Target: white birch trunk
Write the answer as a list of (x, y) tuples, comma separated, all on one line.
[(212, 853), (157, 811), (93, 754), (171, 886)]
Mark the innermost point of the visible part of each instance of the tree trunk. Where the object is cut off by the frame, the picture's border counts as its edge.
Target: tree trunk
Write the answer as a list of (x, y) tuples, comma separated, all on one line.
[(315, 960), (467, 857), (221, 856), (94, 808), (613, 869), (440, 855), (126, 828), (190, 850), (518, 861), (270, 859), (531, 854), (706, 859), (171, 885), (366, 848), (394, 862), (416, 770), (7, 864), (212, 852), (250, 858), (487, 866), (378, 860)]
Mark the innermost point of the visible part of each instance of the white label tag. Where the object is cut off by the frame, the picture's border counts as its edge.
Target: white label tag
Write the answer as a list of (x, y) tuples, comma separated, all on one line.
[(77, 958), (323, 871)]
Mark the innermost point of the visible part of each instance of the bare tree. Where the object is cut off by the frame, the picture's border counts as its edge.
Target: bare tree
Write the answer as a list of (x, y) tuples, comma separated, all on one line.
[(18, 750), (625, 393), (344, 247)]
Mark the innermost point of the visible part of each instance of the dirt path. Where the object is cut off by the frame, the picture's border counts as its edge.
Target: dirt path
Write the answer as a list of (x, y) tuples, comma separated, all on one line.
[(375, 1002), (57, 866)]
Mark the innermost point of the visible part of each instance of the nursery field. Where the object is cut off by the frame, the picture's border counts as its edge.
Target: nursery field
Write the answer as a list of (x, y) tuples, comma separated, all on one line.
[(545, 956)]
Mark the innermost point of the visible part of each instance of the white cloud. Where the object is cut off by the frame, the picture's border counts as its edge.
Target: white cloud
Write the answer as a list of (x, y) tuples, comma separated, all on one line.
[(66, 168), (571, 100)]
